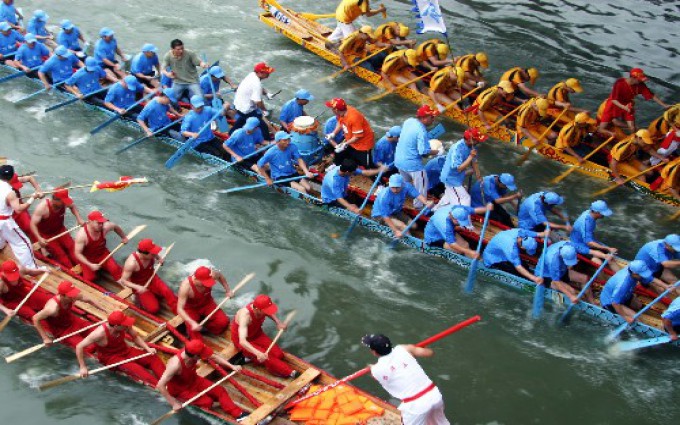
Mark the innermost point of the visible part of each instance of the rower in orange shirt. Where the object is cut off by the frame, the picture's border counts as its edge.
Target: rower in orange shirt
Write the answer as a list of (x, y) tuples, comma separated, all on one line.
[(355, 47), (572, 134), (626, 150), (433, 54), (359, 137), (529, 120), (445, 86), (494, 96)]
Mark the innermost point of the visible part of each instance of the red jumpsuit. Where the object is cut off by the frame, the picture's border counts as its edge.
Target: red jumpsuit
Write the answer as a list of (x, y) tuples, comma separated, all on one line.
[(148, 300), (62, 249), (17, 292), (187, 384), (201, 305), (117, 350), (625, 94), (261, 341), (65, 322), (95, 251)]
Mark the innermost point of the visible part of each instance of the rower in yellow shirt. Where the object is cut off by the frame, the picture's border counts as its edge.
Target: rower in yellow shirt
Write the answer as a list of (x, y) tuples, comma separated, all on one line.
[(559, 94), (486, 102), (670, 178), (433, 54), (520, 78), (471, 64), (346, 13), (395, 34), (626, 150), (572, 134), (398, 69), (529, 120), (445, 87), (356, 46), (662, 125)]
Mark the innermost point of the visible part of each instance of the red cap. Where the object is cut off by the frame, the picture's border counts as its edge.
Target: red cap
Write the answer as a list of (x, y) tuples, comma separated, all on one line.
[(117, 318), (10, 270), (473, 133), (68, 289), (147, 245), (337, 103), (15, 183), (204, 275), (265, 305), (62, 195), (426, 111), (97, 216), (263, 67), (196, 347), (638, 74)]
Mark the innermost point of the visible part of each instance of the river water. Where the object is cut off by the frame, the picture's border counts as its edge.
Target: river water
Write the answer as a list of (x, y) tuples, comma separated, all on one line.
[(505, 370)]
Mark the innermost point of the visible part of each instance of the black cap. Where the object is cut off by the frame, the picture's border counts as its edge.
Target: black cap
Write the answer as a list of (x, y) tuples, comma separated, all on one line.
[(378, 343), (348, 165), (6, 172)]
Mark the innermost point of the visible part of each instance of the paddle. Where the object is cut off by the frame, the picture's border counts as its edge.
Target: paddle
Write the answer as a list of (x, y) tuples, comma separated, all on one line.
[(80, 186), (539, 294), (127, 291), (674, 216), (18, 74), (229, 165), (335, 74), (364, 371), (43, 90), (394, 241), (37, 246), (294, 18), (75, 99), (609, 189), (401, 86), (38, 347), (314, 16), (129, 236), (75, 377), (363, 204), (243, 281), (35, 287), (456, 102), (539, 142), (567, 314), (262, 184), (190, 144), (575, 167), (636, 345), (118, 116), (222, 125), (616, 332), (286, 322), (142, 139), (472, 274)]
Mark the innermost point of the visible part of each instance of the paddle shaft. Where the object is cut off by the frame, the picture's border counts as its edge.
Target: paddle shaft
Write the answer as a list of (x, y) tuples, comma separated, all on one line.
[(131, 235), (539, 141), (243, 158), (191, 143), (571, 170), (567, 313), (473, 267), (293, 18), (18, 74), (43, 90), (75, 99), (401, 86), (140, 140), (263, 184), (286, 322), (217, 104), (80, 186), (652, 303), (539, 294), (243, 281), (158, 266), (54, 238), (362, 60), (363, 204), (35, 287), (456, 102), (609, 189), (413, 221), (119, 115), (505, 117)]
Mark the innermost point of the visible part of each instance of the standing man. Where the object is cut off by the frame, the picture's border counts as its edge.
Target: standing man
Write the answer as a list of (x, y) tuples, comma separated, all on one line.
[(154, 116), (281, 160), (10, 233), (336, 181), (494, 188), (399, 373), (59, 67), (91, 249), (294, 108), (389, 204), (660, 256), (105, 51), (532, 212), (443, 229), (359, 137), (346, 13), (196, 302), (195, 120), (248, 99), (182, 64), (503, 252), (582, 235), (146, 66)]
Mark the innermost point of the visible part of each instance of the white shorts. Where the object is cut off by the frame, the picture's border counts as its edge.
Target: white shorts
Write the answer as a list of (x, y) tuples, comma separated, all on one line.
[(454, 195), (11, 234), (341, 32), (419, 180), (427, 410)]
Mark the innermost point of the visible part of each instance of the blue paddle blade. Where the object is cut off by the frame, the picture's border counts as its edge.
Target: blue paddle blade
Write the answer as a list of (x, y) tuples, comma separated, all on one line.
[(539, 295), (437, 131), (613, 335), (566, 317), (470, 284), (636, 345), (189, 144)]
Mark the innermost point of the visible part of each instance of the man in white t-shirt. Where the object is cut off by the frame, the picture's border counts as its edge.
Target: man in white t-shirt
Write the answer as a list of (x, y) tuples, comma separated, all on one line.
[(10, 233), (399, 373), (248, 99)]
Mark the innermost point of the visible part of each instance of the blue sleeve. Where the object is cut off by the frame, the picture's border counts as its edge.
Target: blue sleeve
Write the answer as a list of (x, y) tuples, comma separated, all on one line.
[(44, 51), (423, 143), (338, 188), (537, 213), (111, 93), (257, 136), (265, 158), (458, 158), (295, 152), (20, 53), (411, 191), (46, 67), (286, 114), (101, 73), (235, 138), (72, 79), (134, 67), (490, 191), (145, 112), (187, 122)]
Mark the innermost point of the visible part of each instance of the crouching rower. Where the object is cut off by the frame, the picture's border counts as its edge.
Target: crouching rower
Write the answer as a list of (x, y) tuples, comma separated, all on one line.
[(582, 235), (60, 67), (13, 289), (532, 212), (196, 302), (145, 66), (671, 319), (442, 231), (245, 141), (281, 160), (154, 116), (660, 256), (389, 204), (494, 189), (30, 55), (504, 249), (90, 249), (86, 80), (196, 120), (558, 270), (9, 42), (336, 181), (122, 95)]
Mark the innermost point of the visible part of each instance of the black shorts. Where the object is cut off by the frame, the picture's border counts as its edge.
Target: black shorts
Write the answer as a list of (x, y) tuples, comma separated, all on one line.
[(248, 162), (659, 272), (362, 158), (564, 278), (437, 244), (286, 177), (105, 66)]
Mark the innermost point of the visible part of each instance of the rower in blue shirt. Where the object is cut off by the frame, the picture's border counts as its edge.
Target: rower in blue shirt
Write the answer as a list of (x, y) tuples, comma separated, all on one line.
[(383, 151), (9, 38), (195, 120), (336, 181), (31, 54), (280, 160), (504, 249), (558, 271), (582, 234), (671, 319), (244, 141), (328, 128), (460, 161), (154, 116), (495, 188), (617, 294), (122, 95), (213, 78), (442, 231), (105, 50), (660, 256), (59, 67), (37, 25), (145, 66), (70, 37), (532, 212), (433, 168), (10, 14), (389, 204), (86, 79), (295, 108)]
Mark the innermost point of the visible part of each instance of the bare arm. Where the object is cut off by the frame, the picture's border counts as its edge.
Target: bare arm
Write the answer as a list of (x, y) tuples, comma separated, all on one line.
[(418, 351), (172, 368), (243, 319), (182, 296), (95, 337), (76, 214), (49, 310)]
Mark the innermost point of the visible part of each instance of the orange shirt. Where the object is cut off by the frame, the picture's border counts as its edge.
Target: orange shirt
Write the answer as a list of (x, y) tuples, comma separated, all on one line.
[(354, 124)]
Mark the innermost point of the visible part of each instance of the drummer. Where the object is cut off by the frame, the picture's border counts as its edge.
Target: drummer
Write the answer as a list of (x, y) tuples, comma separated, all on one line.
[(294, 108)]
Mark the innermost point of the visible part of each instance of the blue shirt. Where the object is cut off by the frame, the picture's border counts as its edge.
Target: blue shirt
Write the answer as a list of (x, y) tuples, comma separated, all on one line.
[(8, 13), (554, 267), (32, 57), (194, 121), (388, 203), (504, 247), (70, 41), (330, 125), (433, 168), (8, 43), (413, 145), (155, 115), (672, 313), (532, 211), (121, 97), (37, 27), (243, 143), (281, 162), (60, 69), (654, 253), (334, 185), (383, 151), (441, 227), (291, 110), (165, 80), (105, 50), (458, 153), (206, 88), (143, 65), (491, 191), (619, 288), (583, 232), (87, 82)]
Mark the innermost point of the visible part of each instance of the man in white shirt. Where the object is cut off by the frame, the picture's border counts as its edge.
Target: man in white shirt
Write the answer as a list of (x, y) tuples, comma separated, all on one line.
[(10, 233), (248, 99)]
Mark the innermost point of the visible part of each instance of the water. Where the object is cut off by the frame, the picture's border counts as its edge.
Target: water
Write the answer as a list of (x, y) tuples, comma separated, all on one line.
[(506, 370)]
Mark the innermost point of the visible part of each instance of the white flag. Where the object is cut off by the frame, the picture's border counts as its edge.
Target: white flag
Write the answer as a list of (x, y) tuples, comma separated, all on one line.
[(429, 15)]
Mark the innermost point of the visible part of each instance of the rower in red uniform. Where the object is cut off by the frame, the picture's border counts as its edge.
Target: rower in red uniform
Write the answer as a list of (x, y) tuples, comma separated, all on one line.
[(111, 348), (14, 288), (91, 248), (138, 269), (248, 337), (48, 221), (180, 380), (196, 302), (59, 318), (23, 218)]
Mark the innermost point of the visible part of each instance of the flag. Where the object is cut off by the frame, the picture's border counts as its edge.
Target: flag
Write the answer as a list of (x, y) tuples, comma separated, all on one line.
[(429, 16), (123, 183)]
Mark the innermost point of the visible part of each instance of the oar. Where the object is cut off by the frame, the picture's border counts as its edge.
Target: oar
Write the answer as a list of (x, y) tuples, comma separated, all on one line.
[(394, 241), (36, 245), (616, 332), (229, 165), (456, 102), (142, 139), (118, 116), (575, 167), (336, 73), (222, 125), (363, 204), (539, 142), (286, 322), (539, 294), (314, 16), (472, 274), (160, 263), (364, 371), (129, 236), (294, 18), (189, 144), (18, 74), (567, 314), (262, 184), (636, 345), (674, 216), (243, 281), (43, 90), (35, 287), (75, 377), (401, 86), (609, 189), (79, 186), (173, 412), (75, 99), (38, 347)]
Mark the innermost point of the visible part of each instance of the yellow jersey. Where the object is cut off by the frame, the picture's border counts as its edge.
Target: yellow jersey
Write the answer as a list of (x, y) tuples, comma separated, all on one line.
[(527, 115), (428, 49), (559, 93), (469, 64), (353, 45), (395, 62), (624, 150), (487, 98), (442, 81), (349, 10), (570, 136)]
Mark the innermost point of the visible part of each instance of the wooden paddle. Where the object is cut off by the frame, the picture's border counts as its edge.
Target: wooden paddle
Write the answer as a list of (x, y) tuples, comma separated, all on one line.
[(401, 86), (286, 322), (190, 143), (160, 264), (243, 281), (336, 73), (539, 294), (314, 16), (539, 142), (35, 287), (57, 189), (643, 172), (505, 117), (129, 236), (456, 102), (294, 18), (472, 274), (38, 347), (575, 167), (75, 377), (37, 246)]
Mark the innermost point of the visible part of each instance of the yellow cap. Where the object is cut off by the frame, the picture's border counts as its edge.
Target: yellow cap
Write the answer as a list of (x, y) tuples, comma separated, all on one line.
[(644, 135), (443, 49), (404, 30), (506, 86), (581, 118), (542, 105), (574, 84), (482, 59), (366, 29), (411, 57), (533, 75)]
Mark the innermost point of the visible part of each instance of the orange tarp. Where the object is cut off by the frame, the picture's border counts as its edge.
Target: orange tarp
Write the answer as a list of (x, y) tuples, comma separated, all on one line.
[(342, 405)]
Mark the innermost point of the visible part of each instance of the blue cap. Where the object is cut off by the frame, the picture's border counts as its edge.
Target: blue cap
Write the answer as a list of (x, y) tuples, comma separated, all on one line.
[(280, 135), (66, 24), (30, 38), (216, 72), (303, 94), (601, 207), (197, 101), (568, 254), (61, 51), (252, 123), (91, 63), (529, 244), (396, 180), (552, 198), (640, 268), (41, 15), (674, 241), (132, 82), (105, 32), (508, 180), (394, 131), (4, 26), (170, 94), (148, 47), (462, 215)]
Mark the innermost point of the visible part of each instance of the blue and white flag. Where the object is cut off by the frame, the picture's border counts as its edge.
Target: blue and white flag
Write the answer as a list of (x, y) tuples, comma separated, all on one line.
[(429, 16)]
